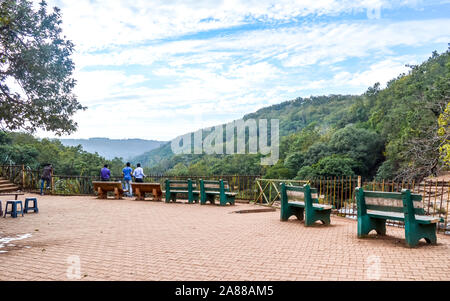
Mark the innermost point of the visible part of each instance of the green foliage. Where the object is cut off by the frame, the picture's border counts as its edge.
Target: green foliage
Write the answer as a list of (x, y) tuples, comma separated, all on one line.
[(331, 166), (387, 170), (20, 148), (294, 161), (278, 171), (444, 133), (35, 55), (361, 145)]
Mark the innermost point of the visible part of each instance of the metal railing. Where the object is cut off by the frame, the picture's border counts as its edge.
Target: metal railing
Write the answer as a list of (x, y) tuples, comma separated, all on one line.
[(29, 179), (339, 192)]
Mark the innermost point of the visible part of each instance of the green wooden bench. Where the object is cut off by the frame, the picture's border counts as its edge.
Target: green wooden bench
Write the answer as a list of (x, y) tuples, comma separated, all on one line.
[(299, 200), (174, 187), (374, 208), (210, 189)]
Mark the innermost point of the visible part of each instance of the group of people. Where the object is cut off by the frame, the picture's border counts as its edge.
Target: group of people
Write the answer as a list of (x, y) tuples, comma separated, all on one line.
[(128, 173), (105, 175)]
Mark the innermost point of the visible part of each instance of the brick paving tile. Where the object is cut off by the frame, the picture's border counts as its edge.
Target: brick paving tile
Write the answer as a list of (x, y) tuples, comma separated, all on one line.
[(129, 240)]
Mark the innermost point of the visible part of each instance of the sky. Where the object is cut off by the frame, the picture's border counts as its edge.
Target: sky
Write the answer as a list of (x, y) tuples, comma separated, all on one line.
[(158, 69)]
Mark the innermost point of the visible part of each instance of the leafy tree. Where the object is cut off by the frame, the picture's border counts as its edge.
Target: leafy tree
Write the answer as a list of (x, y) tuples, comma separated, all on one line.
[(316, 152), (278, 171), (387, 170), (16, 154), (444, 134), (179, 170), (36, 58), (362, 145), (294, 161), (331, 166), (4, 138)]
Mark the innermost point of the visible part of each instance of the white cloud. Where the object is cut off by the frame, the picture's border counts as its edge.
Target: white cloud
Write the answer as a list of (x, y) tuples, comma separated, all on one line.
[(141, 75)]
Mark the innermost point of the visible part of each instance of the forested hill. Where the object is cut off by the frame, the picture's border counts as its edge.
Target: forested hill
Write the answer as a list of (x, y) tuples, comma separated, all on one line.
[(294, 115), (385, 133), (111, 148)]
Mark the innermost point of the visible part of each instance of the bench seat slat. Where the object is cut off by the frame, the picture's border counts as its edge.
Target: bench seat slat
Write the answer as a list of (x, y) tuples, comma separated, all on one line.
[(300, 188), (390, 195), (184, 191), (315, 205), (400, 216)]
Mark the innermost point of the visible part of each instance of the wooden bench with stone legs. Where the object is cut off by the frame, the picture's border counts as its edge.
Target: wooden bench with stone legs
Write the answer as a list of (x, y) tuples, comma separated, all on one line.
[(140, 189), (302, 200), (103, 187), (375, 207)]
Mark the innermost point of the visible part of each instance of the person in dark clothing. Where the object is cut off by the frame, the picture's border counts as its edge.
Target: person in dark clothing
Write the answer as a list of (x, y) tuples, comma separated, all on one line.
[(46, 177), (105, 174)]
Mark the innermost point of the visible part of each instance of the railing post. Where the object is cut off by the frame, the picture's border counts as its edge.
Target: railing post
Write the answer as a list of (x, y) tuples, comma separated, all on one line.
[(53, 184), (23, 176), (359, 181)]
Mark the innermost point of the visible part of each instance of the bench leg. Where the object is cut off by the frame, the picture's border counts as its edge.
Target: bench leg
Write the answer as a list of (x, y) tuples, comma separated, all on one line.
[(137, 193), (367, 224), (100, 193), (415, 232), (312, 217), (230, 199), (202, 199), (171, 197), (156, 195), (195, 199), (289, 211), (208, 198)]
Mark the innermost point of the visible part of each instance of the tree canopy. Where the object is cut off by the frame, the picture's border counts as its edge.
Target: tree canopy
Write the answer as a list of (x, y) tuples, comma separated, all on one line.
[(35, 70)]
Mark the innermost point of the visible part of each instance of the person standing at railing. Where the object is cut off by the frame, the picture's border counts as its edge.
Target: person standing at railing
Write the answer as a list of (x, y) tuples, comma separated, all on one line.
[(46, 177), (127, 178), (138, 174)]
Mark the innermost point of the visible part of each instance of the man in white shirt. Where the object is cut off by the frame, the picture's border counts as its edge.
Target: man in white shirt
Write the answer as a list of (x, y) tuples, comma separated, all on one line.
[(138, 174)]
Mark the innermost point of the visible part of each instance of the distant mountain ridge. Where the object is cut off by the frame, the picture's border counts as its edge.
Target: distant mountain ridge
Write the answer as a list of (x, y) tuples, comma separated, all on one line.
[(110, 148)]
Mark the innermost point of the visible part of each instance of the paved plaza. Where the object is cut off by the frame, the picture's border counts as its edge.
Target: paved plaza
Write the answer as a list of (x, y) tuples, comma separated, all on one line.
[(81, 237)]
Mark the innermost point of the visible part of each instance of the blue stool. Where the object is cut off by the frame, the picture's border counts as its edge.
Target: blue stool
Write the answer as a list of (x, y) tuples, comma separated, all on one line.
[(34, 207), (14, 211)]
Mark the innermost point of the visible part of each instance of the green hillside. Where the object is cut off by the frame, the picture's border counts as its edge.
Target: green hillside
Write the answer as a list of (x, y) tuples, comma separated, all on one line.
[(384, 133)]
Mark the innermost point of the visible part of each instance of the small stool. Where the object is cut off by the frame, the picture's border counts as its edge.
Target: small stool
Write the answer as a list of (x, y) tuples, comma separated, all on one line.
[(13, 210), (34, 207)]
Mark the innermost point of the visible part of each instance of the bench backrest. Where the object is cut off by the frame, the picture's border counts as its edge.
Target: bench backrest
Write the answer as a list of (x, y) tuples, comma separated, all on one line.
[(297, 193), (303, 193), (388, 201), (180, 184), (211, 185)]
